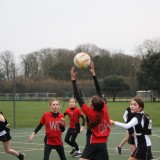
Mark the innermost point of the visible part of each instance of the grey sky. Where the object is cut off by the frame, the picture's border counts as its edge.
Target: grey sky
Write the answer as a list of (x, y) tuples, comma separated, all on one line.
[(30, 25)]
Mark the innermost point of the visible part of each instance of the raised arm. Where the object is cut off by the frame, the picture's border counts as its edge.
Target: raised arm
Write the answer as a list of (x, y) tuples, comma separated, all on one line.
[(75, 89), (98, 89)]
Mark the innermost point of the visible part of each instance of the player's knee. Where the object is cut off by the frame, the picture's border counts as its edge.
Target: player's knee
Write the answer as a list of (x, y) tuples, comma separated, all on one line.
[(7, 150), (73, 141)]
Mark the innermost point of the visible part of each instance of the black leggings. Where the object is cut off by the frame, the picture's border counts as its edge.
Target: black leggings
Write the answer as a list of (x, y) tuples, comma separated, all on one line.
[(59, 149), (71, 139)]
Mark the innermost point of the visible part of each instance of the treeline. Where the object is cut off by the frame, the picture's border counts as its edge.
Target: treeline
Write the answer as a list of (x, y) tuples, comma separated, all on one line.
[(48, 69), (56, 63)]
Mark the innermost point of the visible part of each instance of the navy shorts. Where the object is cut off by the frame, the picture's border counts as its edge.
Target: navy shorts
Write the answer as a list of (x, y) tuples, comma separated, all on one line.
[(96, 151), (143, 153), (131, 140), (6, 137)]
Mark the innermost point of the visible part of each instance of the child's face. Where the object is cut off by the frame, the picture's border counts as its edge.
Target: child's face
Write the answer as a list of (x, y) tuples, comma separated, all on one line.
[(54, 106), (135, 108), (72, 103)]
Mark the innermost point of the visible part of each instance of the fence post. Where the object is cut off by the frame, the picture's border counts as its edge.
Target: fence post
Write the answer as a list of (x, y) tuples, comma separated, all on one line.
[(14, 95)]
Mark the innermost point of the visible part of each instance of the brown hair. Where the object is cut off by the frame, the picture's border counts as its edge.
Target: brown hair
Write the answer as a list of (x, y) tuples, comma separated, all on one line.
[(139, 101), (93, 124), (98, 104), (53, 99)]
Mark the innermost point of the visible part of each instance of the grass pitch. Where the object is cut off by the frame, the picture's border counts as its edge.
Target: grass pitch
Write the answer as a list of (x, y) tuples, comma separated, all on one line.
[(28, 113)]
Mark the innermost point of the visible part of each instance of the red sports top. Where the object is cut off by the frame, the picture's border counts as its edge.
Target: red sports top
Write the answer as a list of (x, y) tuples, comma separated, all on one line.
[(102, 130), (74, 115), (52, 125)]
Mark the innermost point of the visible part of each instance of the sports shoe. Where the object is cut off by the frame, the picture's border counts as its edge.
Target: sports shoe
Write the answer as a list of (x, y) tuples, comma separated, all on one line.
[(73, 151), (21, 156), (76, 155), (118, 150)]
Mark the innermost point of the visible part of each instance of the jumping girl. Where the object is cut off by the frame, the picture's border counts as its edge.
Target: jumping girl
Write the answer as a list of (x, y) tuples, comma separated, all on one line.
[(98, 121)]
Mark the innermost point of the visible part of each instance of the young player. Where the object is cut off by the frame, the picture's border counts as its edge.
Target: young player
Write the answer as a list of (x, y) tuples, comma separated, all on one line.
[(127, 116), (74, 115), (98, 121), (54, 125), (142, 141), (5, 138)]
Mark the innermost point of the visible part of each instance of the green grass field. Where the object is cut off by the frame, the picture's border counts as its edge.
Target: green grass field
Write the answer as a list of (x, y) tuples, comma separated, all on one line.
[(29, 113)]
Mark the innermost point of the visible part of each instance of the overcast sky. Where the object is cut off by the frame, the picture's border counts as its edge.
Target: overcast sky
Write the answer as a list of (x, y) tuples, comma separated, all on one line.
[(31, 25)]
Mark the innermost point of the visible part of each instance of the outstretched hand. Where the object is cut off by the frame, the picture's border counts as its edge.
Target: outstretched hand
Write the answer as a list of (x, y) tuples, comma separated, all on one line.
[(62, 121), (112, 121), (92, 70), (31, 137), (73, 73)]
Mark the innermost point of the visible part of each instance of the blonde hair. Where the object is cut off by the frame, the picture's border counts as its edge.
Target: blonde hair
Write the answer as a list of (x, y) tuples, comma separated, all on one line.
[(73, 99)]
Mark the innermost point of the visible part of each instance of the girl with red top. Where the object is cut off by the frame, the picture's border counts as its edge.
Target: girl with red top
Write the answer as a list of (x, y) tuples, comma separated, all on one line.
[(54, 125), (98, 121), (74, 113)]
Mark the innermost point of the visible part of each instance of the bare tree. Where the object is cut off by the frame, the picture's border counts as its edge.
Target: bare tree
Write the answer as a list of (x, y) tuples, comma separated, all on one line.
[(30, 63), (149, 47), (89, 48), (7, 64)]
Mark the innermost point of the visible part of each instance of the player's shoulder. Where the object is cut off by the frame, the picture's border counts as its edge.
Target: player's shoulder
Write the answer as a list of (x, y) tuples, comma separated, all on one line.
[(128, 108), (47, 113), (138, 116), (1, 113), (61, 115), (78, 109), (68, 108)]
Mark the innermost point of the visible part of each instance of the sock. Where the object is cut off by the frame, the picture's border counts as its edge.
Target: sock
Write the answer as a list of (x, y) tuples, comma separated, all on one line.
[(78, 151), (19, 155)]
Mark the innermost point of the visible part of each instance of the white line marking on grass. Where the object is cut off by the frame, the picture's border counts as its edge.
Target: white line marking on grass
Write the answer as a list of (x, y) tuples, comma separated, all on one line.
[(25, 132), (118, 133), (156, 131), (28, 143), (27, 150), (26, 135), (122, 155), (154, 135)]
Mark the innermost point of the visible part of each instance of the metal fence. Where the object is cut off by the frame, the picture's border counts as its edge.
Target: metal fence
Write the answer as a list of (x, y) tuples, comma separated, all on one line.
[(26, 96), (47, 96)]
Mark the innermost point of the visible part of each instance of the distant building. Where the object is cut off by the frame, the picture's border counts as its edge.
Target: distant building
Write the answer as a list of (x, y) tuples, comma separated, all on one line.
[(146, 95)]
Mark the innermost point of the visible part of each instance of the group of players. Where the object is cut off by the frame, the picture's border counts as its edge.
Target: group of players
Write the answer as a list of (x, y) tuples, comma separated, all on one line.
[(98, 125)]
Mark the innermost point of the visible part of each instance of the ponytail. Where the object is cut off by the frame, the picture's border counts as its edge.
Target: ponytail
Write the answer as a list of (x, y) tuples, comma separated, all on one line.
[(93, 124)]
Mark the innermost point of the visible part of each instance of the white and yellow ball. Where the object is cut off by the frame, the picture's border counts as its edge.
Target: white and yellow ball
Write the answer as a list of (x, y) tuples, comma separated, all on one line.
[(82, 60)]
